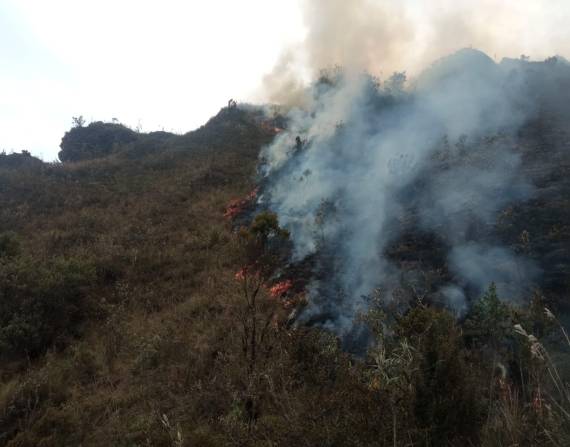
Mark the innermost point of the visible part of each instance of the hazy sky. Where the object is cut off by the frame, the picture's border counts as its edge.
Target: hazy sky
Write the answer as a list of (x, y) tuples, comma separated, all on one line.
[(173, 63), (166, 64)]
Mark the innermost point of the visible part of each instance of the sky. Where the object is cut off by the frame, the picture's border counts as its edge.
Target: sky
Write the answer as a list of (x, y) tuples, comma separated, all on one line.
[(159, 65), (172, 64)]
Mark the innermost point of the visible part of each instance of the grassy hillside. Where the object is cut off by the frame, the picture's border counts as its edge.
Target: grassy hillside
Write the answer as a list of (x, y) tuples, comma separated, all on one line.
[(127, 319), (138, 256)]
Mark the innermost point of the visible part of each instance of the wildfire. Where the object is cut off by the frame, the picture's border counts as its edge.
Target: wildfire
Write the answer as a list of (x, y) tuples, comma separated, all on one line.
[(281, 288), (269, 127), (245, 272), (237, 206), (240, 276), (276, 291)]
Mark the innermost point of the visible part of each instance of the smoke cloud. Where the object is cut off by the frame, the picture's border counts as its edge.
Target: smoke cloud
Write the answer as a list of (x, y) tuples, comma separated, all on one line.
[(368, 159), (364, 163), (384, 36)]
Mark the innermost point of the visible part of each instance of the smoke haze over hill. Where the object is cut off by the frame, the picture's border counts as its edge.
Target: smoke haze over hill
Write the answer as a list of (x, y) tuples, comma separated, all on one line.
[(379, 160), (383, 36)]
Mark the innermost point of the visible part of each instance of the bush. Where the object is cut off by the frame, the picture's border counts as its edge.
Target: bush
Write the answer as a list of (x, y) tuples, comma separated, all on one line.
[(446, 401), (94, 141), (264, 243), (40, 304), (489, 321), (9, 245)]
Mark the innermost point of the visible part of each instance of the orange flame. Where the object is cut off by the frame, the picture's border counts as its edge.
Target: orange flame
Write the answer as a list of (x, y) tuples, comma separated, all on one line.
[(237, 206), (281, 288)]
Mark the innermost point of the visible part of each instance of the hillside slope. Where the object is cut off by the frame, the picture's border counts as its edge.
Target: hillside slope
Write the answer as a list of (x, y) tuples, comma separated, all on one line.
[(135, 312), (144, 238)]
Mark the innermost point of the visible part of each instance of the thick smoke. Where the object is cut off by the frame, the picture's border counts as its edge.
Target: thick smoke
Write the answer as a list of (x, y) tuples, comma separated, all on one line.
[(383, 36), (370, 158), (363, 164)]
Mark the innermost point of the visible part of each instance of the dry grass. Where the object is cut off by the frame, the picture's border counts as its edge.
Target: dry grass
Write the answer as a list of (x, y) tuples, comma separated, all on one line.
[(160, 358)]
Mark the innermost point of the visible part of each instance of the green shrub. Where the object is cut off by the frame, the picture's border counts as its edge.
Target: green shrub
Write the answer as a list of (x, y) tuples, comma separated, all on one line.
[(41, 305), (446, 399), (96, 140), (489, 321), (264, 243), (9, 245)]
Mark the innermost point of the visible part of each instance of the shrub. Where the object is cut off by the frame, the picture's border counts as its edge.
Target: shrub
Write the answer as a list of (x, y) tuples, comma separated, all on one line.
[(446, 401), (489, 321), (264, 243), (40, 304), (9, 245), (96, 140)]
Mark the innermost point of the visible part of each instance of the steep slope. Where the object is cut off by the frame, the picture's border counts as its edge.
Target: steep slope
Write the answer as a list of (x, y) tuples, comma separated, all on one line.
[(142, 234), (453, 184), (146, 298)]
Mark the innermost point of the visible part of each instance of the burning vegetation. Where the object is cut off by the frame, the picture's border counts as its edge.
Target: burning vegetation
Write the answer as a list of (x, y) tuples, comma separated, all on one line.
[(378, 183), (402, 210), (238, 207), (398, 276)]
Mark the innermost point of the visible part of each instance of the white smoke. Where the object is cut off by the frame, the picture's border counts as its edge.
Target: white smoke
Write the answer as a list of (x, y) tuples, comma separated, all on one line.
[(383, 36), (367, 158)]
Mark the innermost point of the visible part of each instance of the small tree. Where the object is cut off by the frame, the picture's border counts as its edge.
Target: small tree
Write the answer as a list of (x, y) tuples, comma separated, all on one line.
[(261, 245), (443, 396), (9, 245), (78, 121), (489, 321), (395, 83)]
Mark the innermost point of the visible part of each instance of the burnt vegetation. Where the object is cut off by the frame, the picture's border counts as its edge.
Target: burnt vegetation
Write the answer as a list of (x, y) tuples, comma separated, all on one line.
[(144, 300)]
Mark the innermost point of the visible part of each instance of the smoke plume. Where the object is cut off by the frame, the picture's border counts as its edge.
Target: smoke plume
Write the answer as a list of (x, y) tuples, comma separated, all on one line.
[(384, 36), (365, 160)]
